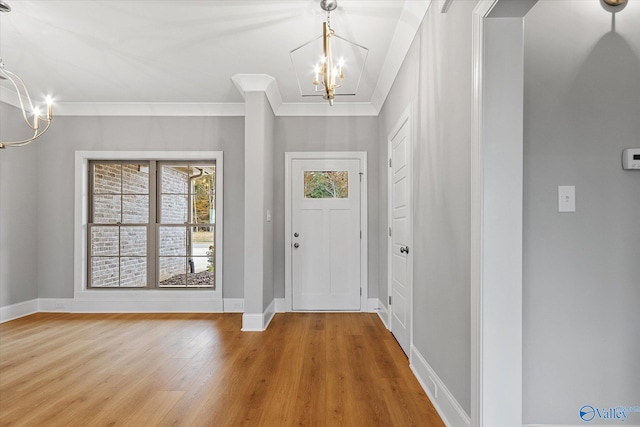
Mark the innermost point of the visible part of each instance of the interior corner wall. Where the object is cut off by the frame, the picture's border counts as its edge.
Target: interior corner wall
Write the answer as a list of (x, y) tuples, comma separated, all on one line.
[(258, 228), (322, 134), (268, 291), (581, 278), (435, 80), (53, 190), (18, 212)]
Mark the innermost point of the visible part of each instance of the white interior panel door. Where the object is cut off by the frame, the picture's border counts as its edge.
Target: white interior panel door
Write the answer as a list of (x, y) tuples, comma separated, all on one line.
[(400, 236), (325, 236)]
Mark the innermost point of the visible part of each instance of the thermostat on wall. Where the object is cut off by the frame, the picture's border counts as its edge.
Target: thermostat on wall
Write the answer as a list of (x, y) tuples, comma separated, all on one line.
[(631, 158)]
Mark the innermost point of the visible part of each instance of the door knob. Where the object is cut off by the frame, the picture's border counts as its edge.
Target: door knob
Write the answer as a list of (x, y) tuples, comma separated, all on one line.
[(296, 245), (296, 235), (404, 250)]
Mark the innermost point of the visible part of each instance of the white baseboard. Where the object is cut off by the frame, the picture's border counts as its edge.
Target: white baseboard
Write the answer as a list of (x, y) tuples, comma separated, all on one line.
[(120, 305), (372, 305), (252, 322), (140, 305), (280, 305), (447, 406), (580, 425), (55, 305), (21, 309), (383, 313), (269, 313), (233, 305), (258, 322), (117, 305)]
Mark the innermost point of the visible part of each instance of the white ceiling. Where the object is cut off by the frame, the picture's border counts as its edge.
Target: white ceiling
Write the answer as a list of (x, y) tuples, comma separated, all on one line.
[(116, 56)]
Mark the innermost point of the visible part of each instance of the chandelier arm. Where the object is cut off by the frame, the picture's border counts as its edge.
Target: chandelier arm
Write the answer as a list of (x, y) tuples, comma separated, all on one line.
[(26, 141), (9, 74)]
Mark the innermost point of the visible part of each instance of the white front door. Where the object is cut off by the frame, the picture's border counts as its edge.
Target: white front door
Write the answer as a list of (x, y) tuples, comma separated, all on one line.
[(400, 255), (325, 234)]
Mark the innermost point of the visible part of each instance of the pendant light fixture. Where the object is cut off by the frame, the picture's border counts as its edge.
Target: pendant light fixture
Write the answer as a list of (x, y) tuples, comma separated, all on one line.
[(37, 120), (332, 59)]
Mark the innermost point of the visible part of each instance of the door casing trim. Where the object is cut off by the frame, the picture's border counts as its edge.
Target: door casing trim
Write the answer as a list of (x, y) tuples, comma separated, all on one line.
[(364, 245), (496, 212)]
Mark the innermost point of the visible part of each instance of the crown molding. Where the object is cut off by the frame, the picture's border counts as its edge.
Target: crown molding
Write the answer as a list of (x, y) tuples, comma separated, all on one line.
[(160, 109), (88, 109), (259, 83), (264, 83), (148, 109), (324, 109), (8, 96)]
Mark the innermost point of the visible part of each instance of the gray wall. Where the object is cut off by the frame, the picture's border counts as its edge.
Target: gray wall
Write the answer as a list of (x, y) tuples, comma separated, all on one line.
[(326, 134), (581, 270), (54, 188), (54, 154), (18, 213), (435, 80), (268, 290)]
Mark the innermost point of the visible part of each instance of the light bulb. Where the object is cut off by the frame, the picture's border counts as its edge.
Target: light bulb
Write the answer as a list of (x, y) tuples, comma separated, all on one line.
[(49, 101), (316, 71)]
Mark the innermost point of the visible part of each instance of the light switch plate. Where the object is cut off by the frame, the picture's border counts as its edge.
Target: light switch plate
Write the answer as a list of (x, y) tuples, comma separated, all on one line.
[(631, 159), (566, 198)]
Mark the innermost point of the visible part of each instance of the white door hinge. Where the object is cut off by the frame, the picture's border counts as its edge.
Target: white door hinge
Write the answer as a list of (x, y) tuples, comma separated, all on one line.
[(389, 231), (389, 162)]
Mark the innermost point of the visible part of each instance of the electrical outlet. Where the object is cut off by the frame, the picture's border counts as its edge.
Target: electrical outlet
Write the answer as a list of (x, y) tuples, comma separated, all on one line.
[(566, 198), (238, 306), (58, 305)]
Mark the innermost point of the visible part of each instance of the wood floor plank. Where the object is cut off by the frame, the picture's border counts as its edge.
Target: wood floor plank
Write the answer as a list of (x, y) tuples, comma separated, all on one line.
[(279, 405), (306, 369)]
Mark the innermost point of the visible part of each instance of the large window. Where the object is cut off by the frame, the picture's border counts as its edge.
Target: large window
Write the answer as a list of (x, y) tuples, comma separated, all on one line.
[(152, 224)]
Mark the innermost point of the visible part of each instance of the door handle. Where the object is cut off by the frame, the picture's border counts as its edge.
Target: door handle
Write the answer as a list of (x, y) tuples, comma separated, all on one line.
[(296, 245), (296, 234), (404, 250)]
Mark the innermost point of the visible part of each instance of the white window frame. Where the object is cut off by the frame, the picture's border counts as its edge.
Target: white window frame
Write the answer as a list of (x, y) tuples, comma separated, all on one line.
[(141, 300)]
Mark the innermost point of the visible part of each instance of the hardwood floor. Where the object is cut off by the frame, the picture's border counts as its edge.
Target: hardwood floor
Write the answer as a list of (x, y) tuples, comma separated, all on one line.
[(307, 369)]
